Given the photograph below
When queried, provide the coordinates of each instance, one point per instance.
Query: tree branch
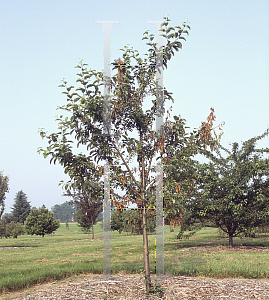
(126, 164)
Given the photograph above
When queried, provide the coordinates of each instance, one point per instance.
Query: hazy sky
(223, 64)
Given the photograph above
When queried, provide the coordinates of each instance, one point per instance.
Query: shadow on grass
(27, 245)
(261, 241)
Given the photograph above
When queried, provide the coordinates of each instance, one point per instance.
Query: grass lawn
(67, 253)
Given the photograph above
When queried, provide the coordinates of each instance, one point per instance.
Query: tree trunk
(92, 232)
(144, 225)
(146, 251)
(231, 241)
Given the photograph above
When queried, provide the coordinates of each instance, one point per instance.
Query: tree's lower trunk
(231, 241)
(92, 232)
(88, 230)
(146, 251)
(144, 224)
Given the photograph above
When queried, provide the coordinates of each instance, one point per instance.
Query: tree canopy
(87, 208)
(21, 207)
(41, 221)
(9, 228)
(131, 221)
(3, 190)
(233, 191)
(63, 212)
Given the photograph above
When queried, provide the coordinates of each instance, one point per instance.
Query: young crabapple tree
(129, 87)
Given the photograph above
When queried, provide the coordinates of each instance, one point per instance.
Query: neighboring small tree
(80, 218)
(87, 209)
(6, 219)
(131, 221)
(9, 228)
(234, 191)
(117, 221)
(189, 225)
(41, 221)
(21, 207)
(3, 191)
(14, 229)
(64, 212)
(2, 229)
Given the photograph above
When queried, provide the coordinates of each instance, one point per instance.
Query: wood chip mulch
(130, 287)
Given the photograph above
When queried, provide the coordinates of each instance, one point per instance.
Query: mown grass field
(67, 253)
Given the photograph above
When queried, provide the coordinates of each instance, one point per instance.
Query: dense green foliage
(41, 221)
(233, 192)
(14, 229)
(11, 224)
(82, 221)
(63, 212)
(3, 190)
(9, 228)
(131, 221)
(21, 207)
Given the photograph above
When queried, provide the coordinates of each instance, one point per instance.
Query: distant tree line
(23, 219)
(11, 225)
(64, 212)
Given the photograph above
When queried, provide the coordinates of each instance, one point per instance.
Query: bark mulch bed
(130, 287)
